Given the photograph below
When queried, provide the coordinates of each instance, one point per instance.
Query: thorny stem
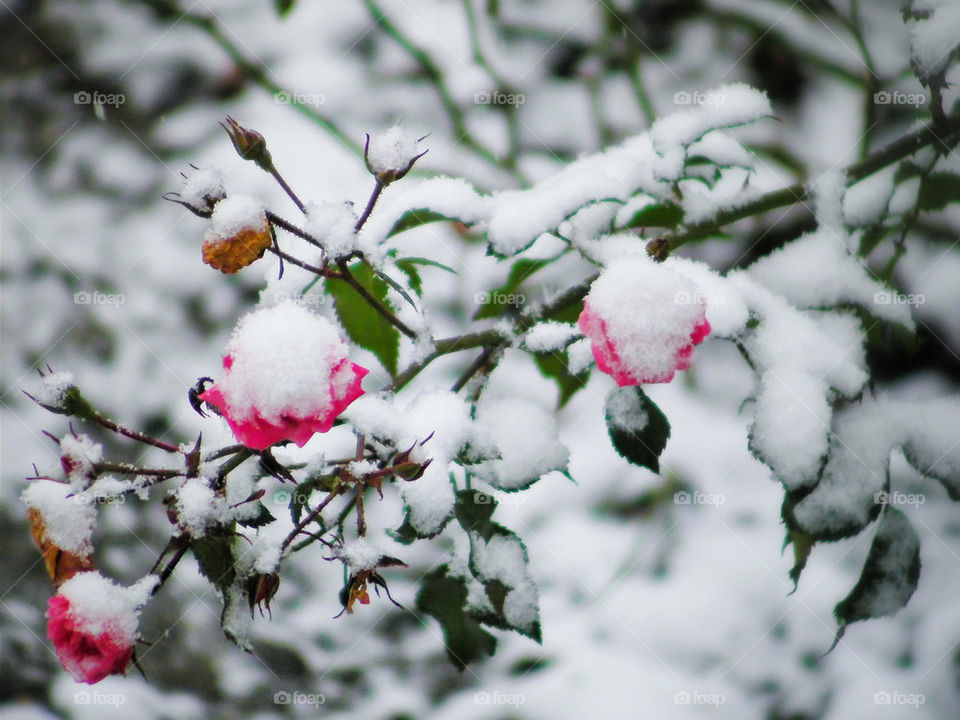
(321, 272)
(128, 469)
(314, 514)
(171, 564)
(106, 422)
(287, 189)
(294, 230)
(384, 311)
(374, 196)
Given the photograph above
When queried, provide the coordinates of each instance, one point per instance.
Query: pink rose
(93, 624)
(286, 377)
(643, 319)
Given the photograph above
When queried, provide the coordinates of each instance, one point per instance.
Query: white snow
(650, 312)
(283, 358)
(237, 213)
(408, 421)
(79, 453)
(53, 387)
(98, 604)
(522, 437)
(549, 336)
(359, 554)
(503, 558)
(332, 224)
(934, 39)
(68, 521)
(799, 357)
(392, 150)
(199, 507)
(203, 188)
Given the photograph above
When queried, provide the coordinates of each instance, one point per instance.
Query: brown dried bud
(249, 144)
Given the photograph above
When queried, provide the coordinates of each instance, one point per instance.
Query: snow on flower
(93, 624)
(67, 520)
(203, 190)
(239, 234)
(287, 376)
(643, 320)
(392, 151)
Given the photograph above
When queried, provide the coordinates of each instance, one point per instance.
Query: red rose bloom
(88, 657)
(93, 624)
(643, 320)
(286, 377)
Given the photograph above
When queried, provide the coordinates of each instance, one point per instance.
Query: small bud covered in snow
(203, 189)
(643, 320)
(391, 154)
(59, 394)
(286, 377)
(239, 235)
(93, 624)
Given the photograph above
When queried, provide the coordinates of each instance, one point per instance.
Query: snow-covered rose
(643, 319)
(93, 624)
(287, 376)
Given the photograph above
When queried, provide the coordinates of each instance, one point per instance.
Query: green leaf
(283, 6)
(444, 598)
(889, 576)
(507, 296)
(474, 511)
(665, 215)
(937, 190)
(413, 276)
(417, 217)
(554, 366)
(399, 288)
(637, 428)
(365, 326)
(264, 517)
(214, 559)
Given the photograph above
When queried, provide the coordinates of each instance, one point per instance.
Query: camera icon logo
(82, 97)
(482, 98)
(482, 498)
(681, 498)
(82, 297)
(682, 98)
(282, 697)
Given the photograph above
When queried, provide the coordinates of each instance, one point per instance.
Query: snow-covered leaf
(638, 428)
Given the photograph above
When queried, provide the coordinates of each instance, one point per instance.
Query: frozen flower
(93, 624)
(240, 234)
(287, 376)
(643, 319)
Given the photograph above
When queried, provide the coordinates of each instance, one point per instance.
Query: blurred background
(649, 608)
